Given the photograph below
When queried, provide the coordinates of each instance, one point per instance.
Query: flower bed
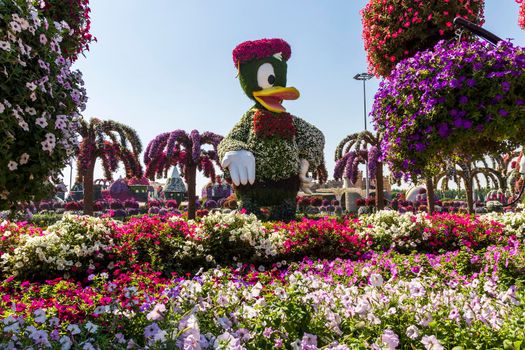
(463, 298)
(424, 281)
(79, 246)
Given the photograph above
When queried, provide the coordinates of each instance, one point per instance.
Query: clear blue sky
(164, 65)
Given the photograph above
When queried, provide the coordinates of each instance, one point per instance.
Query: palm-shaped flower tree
(106, 140)
(185, 150)
(356, 149)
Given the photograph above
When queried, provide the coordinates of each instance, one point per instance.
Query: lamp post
(364, 77)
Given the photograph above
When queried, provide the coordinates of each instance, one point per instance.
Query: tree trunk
(430, 195)
(190, 174)
(469, 193)
(88, 188)
(380, 200)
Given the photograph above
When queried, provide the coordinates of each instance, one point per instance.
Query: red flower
(267, 124)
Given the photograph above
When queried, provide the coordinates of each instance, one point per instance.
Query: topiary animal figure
(268, 153)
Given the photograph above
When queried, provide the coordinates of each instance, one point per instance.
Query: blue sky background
(164, 65)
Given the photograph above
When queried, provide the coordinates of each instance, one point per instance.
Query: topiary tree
(178, 148)
(459, 101)
(357, 149)
(40, 98)
(106, 140)
(397, 29)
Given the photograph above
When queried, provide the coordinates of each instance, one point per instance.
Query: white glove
(306, 182)
(241, 165)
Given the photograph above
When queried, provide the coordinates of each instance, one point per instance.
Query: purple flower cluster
(373, 159)
(459, 98)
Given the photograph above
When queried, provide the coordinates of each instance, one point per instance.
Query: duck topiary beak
(272, 98)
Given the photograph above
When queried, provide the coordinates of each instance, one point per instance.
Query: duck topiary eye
(265, 76)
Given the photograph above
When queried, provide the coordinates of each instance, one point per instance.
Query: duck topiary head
(262, 72)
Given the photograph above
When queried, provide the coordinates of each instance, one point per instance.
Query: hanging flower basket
(521, 18)
(458, 99)
(397, 29)
(40, 98)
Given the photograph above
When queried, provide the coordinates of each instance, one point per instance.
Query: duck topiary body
(269, 152)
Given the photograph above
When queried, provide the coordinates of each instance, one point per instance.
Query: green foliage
(46, 219)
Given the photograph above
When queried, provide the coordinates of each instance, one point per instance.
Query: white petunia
(40, 316)
(12, 165)
(43, 39)
(390, 338)
(5, 45)
(412, 332)
(91, 327)
(40, 337)
(74, 329)
(376, 280)
(431, 343)
(88, 346)
(15, 26)
(41, 122)
(66, 343)
(47, 146)
(2, 107)
(23, 125)
(30, 111)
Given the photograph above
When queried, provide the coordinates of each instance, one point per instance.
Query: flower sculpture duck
(269, 152)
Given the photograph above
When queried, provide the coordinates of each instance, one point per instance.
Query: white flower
(43, 39)
(192, 342)
(50, 137)
(412, 332)
(416, 288)
(24, 158)
(61, 122)
(12, 165)
(15, 26)
(47, 146)
(5, 45)
(40, 337)
(66, 342)
(41, 122)
(376, 280)
(2, 108)
(88, 346)
(309, 341)
(40, 316)
(431, 343)
(91, 328)
(390, 339)
(74, 329)
(30, 110)
(23, 125)
(156, 313)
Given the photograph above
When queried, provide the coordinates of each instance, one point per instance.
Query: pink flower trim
(257, 49)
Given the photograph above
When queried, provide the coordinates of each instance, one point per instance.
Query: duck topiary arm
(237, 138)
(310, 142)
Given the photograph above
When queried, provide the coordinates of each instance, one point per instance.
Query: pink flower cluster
(521, 19)
(257, 49)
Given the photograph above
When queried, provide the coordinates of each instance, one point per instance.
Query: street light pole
(364, 77)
